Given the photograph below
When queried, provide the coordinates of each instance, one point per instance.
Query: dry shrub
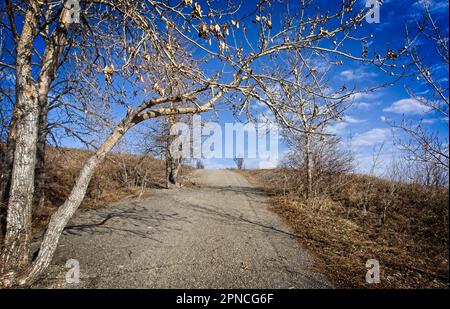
(119, 176)
(403, 226)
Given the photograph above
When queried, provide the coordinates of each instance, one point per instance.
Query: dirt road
(218, 234)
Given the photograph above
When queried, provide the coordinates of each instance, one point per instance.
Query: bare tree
(173, 160)
(313, 107)
(328, 160)
(425, 173)
(132, 42)
(422, 144)
(51, 89)
(239, 162)
(6, 88)
(199, 165)
(157, 141)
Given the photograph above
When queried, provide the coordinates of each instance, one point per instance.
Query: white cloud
(372, 137)
(353, 120)
(340, 126)
(367, 98)
(348, 74)
(408, 107)
(357, 74)
(363, 105)
(435, 120)
(421, 93)
(337, 127)
(366, 163)
(430, 120)
(434, 5)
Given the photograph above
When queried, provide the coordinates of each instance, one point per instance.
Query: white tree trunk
(172, 169)
(173, 161)
(16, 247)
(60, 218)
(18, 221)
(308, 165)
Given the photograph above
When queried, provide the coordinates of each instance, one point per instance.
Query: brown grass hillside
(119, 176)
(404, 226)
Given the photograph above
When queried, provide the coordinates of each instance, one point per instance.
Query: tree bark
(8, 160)
(172, 169)
(51, 60)
(40, 174)
(173, 161)
(60, 218)
(5, 181)
(16, 247)
(18, 220)
(53, 50)
(308, 166)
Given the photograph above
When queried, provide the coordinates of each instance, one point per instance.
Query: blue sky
(365, 126)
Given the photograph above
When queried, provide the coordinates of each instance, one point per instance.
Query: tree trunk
(16, 247)
(172, 169)
(40, 155)
(8, 160)
(18, 221)
(308, 166)
(51, 60)
(173, 161)
(5, 181)
(60, 218)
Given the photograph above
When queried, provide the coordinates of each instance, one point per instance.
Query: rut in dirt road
(218, 234)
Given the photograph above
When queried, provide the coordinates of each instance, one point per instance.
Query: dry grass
(410, 240)
(119, 176)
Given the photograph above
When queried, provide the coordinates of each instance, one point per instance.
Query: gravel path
(217, 234)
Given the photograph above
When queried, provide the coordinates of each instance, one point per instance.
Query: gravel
(219, 233)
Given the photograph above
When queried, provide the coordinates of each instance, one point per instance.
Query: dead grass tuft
(119, 176)
(403, 226)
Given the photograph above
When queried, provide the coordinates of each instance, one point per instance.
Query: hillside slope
(119, 176)
(405, 227)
